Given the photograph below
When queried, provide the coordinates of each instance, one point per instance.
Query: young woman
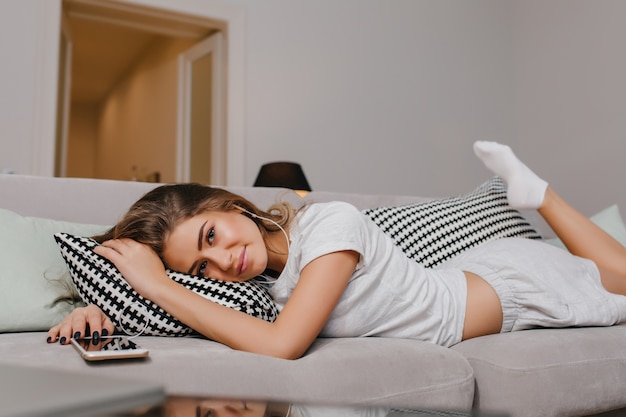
(337, 274)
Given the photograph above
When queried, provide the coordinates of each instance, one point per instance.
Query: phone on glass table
(109, 347)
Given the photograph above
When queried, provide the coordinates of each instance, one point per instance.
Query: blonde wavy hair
(155, 215)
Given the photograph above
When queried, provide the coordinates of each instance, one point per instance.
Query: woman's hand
(138, 264)
(82, 321)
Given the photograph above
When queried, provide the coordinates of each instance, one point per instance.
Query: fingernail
(62, 341)
(49, 339)
(77, 335)
(105, 332)
(95, 338)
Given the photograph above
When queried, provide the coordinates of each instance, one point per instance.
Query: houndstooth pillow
(99, 282)
(434, 231)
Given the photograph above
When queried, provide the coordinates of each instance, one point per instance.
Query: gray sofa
(567, 372)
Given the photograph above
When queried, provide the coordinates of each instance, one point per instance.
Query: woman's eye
(202, 269)
(210, 236)
(200, 413)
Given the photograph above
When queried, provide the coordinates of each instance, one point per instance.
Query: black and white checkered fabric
(434, 231)
(99, 282)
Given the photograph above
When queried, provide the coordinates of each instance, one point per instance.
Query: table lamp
(283, 174)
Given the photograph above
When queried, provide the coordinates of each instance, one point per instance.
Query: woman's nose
(221, 258)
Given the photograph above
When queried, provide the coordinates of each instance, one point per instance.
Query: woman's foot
(525, 189)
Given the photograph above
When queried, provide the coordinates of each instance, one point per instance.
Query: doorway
(129, 112)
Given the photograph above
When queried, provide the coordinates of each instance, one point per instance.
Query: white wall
(570, 92)
(28, 78)
(386, 96)
(377, 96)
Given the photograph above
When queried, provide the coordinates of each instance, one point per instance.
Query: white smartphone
(110, 347)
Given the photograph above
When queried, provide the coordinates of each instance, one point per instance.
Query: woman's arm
(318, 290)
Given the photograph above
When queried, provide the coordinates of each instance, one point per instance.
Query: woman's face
(227, 246)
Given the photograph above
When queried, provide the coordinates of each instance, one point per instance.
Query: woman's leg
(580, 235)
(584, 238)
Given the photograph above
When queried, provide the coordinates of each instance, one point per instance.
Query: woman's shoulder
(339, 206)
(322, 228)
(331, 208)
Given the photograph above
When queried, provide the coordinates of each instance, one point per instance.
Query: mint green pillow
(609, 220)
(33, 273)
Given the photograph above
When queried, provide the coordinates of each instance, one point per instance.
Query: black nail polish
(62, 341)
(77, 335)
(105, 332)
(95, 338)
(49, 339)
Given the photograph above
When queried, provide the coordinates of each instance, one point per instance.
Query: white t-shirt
(388, 294)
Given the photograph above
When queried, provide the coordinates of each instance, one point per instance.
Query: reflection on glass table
(179, 406)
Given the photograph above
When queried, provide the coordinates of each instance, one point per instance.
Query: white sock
(525, 189)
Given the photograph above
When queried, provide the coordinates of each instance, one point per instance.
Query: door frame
(64, 87)
(230, 20)
(211, 45)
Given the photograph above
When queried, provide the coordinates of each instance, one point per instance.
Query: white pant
(540, 285)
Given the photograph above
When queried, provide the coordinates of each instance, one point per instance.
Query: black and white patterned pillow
(99, 282)
(434, 231)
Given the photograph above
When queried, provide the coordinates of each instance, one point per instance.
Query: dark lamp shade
(282, 174)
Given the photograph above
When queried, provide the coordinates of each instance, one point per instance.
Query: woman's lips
(243, 262)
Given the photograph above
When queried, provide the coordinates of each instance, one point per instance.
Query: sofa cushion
(434, 231)
(549, 372)
(365, 370)
(99, 282)
(33, 275)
